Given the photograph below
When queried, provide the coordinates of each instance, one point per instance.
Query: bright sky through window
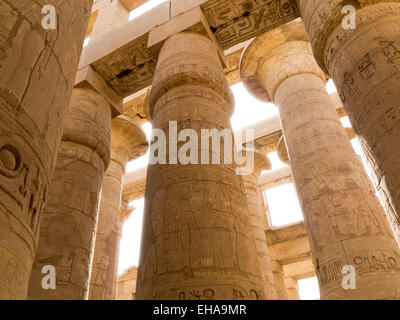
(309, 289)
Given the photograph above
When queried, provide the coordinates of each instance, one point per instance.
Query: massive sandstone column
(67, 231)
(196, 243)
(345, 222)
(128, 142)
(37, 71)
(365, 65)
(256, 219)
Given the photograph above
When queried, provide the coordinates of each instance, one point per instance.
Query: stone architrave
(128, 142)
(37, 72)
(345, 221)
(194, 242)
(364, 63)
(69, 222)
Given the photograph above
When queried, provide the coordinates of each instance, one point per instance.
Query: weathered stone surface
(279, 282)
(365, 66)
(128, 142)
(127, 284)
(234, 21)
(37, 71)
(110, 14)
(67, 231)
(257, 220)
(345, 222)
(191, 207)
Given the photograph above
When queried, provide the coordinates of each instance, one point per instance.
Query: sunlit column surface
(128, 142)
(364, 63)
(37, 71)
(67, 231)
(195, 243)
(345, 221)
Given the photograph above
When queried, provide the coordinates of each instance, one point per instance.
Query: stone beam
(289, 244)
(275, 178)
(134, 184)
(123, 56)
(299, 270)
(235, 21)
(89, 78)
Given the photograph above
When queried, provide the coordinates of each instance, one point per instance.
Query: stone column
(194, 243)
(70, 218)
(279, 281)
(365, 65)
(128, 142)
(256, 219)
(292, 288)
(37, 71)
(110, 15)
(344, 219)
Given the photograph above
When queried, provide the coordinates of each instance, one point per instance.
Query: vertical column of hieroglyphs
(194, 244)
(67, 230)
(364, 63)
(344, 220)
(128, 142)
(37, 70)
(257, 213)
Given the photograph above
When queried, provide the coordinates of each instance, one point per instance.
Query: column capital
(282, 151)
(261, 161)
(181, 69)
(128, 140)
(87, 123)
(87, 77)
(274, 57)
(126, 210)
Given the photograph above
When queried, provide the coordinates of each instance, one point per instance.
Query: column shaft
(104, 277)
(256, 221)
(37, 71)
(365, 65)
(69, 221)
(344, 219)
(128, 142)
(194, 243)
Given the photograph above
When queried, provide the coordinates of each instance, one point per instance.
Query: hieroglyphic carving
(234, 21)
(344, 219)
(128, 142)
(69, 221)
(368, 83)
(196, 243)
(37, 69)
(130, 68)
